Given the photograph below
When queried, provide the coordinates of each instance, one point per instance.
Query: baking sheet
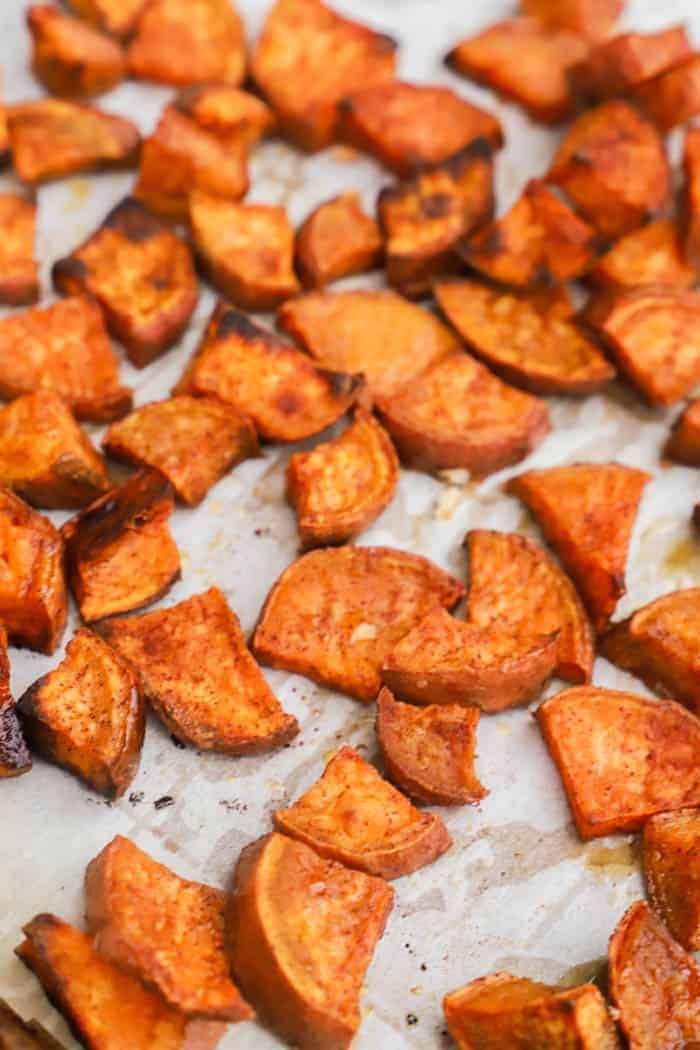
(518, 890)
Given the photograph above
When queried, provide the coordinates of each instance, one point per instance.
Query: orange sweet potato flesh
(652, 255)
(587, 512)
(592, 19)
(524, 339)
(233, 116)
(673, 97)
(141, 275)
(71, 58)
(16, 1034)
(301, 931)
(19, 275)
(308, 58)
(428, 751)
(337, 240)
(671, 861)
(14, 753)
(116, 17)
(163, 930)
(621, 757)
(354, 816)
(200, 679)
(691, 217)
(119, 551)
(341, 486)
(654, 984)
(105, 1008)
(614, 66)
(683, 444)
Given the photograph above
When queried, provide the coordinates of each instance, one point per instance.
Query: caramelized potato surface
(189, 42)
(337, 240)
(116, 17)
(615, 66)
(71, 58)
(234, 117)
(19, 274)
(671, 860)
(673, 97)
(652, 255)
(592, 19)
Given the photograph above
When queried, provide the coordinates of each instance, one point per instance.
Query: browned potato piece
(691, 218)
(407, 126)
(341, 486)
(189, 42)
(233, 116)
(652, 255)
(621, 757)
(587, 512)
(119, 551)
(87, 715)
(429, 751)
(525, 340)
(199, 677)
(71, 58)
(163, 930)
(301, 931)
(247, 250)
(52, 137)
(354, 816)
(19, 275)
(616, 65)
(592, 19)
(334, 615)
(336, 240)
(33, 598)
(671, 859)
(116, 17)
(613, 165)
(105, 1008)
(14, 753)
(16, 1034)
(673, 97)
(683, 444)
(308, 58)
(142, 276)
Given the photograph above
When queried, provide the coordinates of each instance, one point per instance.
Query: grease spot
(613, 861)
(595, 971)
(79, 190)
(683, 557)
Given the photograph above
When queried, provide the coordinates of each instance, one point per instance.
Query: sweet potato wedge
(615, 66)
(691, 218)
(14, 753)
(587, 512)
(70, 57)
(233, 116)
(163, 930)
(301, 931)
(621, 757)
(592, 19)
(613, 165)
(105, 1008)
(142, 276)
(341, 486)
(683, 443)
(524, 339)
(354, 816)
(116, 17)
(119, 551)
(19, 275)
(308, 58)
(16, 1034)
(200, 679)
(673, 97)
(650, 256)
(246, 250)
(336, 240)
(408, 126)
(52, 137)
(671, 861)
(429, 752)
(334, 615)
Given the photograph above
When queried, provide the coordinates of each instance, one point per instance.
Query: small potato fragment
(301, 931)
(429, 752)
(14, 753)
(673, 97)
(247, 250)
(116, 17)
(691, 217)
(334, 615)
(19, 275)
(71, 58)
(617, 65)
(671, 860)
(142, 276)
(587, 512)
(336, 240)
(341, 486)
(592, 19)
(683, 444)
(354, 816)
(233, 116)
(650, 256)
(87, 715)
(200, 679)
(16, 1034)
(163, 930)
(119, 551)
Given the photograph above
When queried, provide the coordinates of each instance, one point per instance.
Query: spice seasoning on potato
(671, 861)
(337, 240)
(15, 758)
(650, 256)
(19, 274)
(71, 58)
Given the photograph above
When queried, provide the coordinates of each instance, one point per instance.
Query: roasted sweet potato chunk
(683, 444)
(14, 754)
(233, 116)
(691, 168)
(592, 19)
(407, 126)
(116, 17)
(621, 757)
(336, 240)
(142, 276)
(526, 340)
(106, 1008)
(19, 275)
(199, 677)
(119, 551)
(671, 859)
(52, 137)
(162, 929)
(673, 97)
(308, 58)
(613, 166)
(334, 615)
(354, 816)
(301, 931)
(617, 65)
(71, 58)
(247, 250)
(341, 486)
(4, 134)
(587, 512)
(16, 1034)
(652, 255)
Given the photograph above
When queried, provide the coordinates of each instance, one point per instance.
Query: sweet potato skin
(336, 240)
(670, 860)
(673, 97)
(691, 201)
(592, 19)
(19, 275)
(14, 753)
(652, 255)
(628, 59)
(116, 17)
(71, 58)
(16, 1034)
(683, 444)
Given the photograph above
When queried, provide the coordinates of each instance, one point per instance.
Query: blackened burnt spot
(491, 243)
(341, 384)
(14, 753)
(289, 402)
(160, 281)
(234, 322)
(133, 221)
(69, 269)
(104, 521)
(480, 147)
(437, 206)
(542, 277)
(579, 157)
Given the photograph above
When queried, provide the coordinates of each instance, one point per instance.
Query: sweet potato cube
(671, 859)
(52, 137)
(116, 17)
(691, 218)
(621, 757)
(341, 486)
(199, 677)
(19, 275)
(652, 255)
(301, 931)
(142, 276)
(587, 512)
(336, 240)
(354, 816)
(334, 615)
(592, 19)
(308, 58)
(16, 1034)
(71, 58)
(613, 165)
(247, 250)
(673, 97)
(525, 339)
(14, 753)
(615, 66)
(683, 444)
(119, 551)
(102, 1004)
(233, 116)
(162, 929)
